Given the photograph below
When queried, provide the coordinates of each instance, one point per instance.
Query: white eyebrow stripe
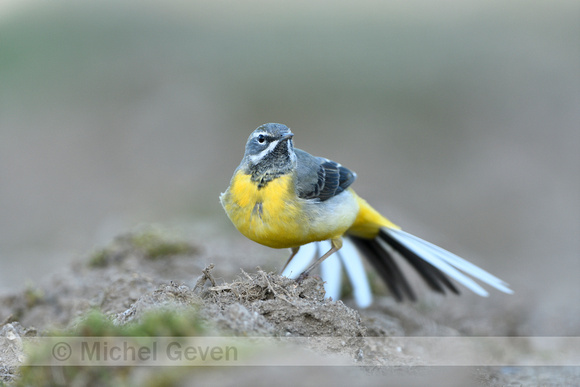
(255, 158)
(256, 134)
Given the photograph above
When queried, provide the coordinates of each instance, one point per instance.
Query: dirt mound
(151, 273)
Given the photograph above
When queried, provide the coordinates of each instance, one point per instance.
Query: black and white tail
(433, 263)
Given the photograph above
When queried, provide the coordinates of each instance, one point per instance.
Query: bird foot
(302, 277)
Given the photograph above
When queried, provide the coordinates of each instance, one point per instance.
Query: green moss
(149, 243)
(95, 324)
(71, 376)
(153, 324)
(164, 323)
(33, 296)
(99, 258)
(167, 324)
(7, 378)
(154, 245)
(170, 376)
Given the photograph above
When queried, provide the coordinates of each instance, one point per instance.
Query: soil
(147, 270)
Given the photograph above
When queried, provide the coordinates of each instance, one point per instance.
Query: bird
(283, 197)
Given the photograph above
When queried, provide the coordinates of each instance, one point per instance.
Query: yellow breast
(270, 215)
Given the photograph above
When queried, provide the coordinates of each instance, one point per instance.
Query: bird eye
(261, 138)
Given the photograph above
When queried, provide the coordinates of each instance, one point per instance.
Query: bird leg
(336, 244)
(294, 252)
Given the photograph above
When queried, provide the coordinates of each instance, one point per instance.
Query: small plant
(161, 323)
(149, 243)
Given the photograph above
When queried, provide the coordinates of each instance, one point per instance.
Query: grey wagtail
(283, 197)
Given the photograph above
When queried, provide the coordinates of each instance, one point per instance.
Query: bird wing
(320, 178)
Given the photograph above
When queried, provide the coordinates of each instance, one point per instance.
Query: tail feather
(433, 263)
(386, 266)
(435, 278)
(458, 262)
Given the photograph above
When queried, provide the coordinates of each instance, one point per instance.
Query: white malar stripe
(449, 262)
(256, 158)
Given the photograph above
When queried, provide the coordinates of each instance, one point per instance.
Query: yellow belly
(274, 216)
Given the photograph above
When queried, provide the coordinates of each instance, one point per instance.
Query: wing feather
(320, 178)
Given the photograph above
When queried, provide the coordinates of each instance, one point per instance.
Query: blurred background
(461, 119)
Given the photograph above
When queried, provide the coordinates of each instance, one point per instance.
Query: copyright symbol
(61, 351)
